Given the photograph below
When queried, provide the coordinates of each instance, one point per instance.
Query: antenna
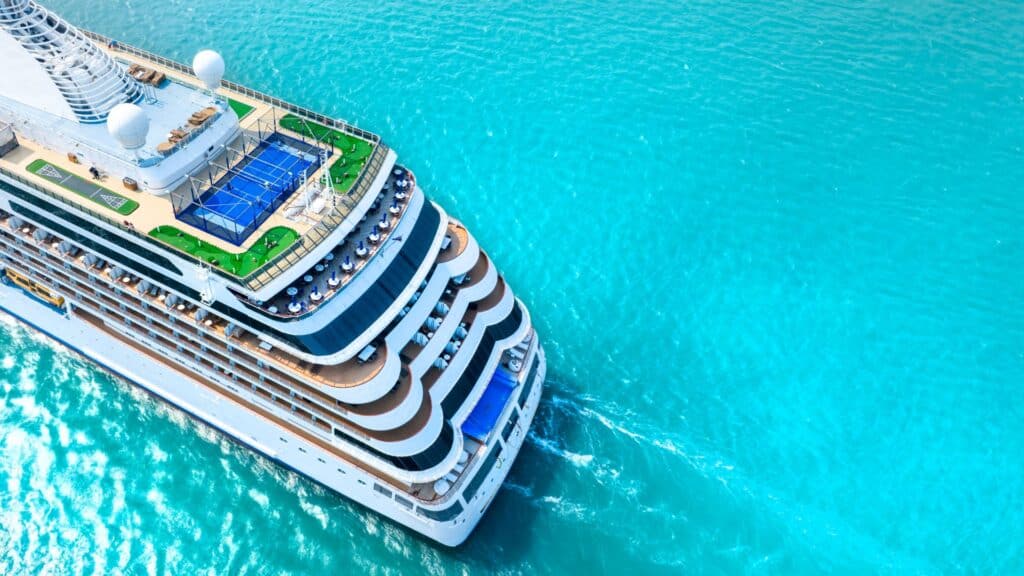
(326, 178)
(206, 294)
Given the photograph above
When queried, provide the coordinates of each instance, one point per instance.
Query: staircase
(88, 79)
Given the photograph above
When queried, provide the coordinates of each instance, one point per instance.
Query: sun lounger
(157, 79)
(202, 116)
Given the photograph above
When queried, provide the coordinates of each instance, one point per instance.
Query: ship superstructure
(274, 272)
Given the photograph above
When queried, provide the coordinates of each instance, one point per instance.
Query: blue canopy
(485, 414)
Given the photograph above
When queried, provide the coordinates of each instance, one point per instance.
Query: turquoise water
(775, 251)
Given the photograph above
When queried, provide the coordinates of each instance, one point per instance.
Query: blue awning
(485, 414)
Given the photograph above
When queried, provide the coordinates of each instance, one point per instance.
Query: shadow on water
(146, 423)
(499, 538)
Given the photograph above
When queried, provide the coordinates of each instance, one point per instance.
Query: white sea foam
(519, 489)
(259, 497)
(157, 499)
(155, 452)
(117, 502)
(567, 509)
(552, 447)
(149, 557)
(614, 426)
(124, 548)
(63, 434)
(315, 511)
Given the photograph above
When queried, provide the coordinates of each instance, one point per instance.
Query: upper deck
(290, 229)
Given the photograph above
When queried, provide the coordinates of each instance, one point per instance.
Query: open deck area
(294, 220)
(327, 277)
(273, 242)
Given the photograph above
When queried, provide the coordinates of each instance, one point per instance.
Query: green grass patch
(240, 264)
(241, 108)
(355, 152)
(85, 188)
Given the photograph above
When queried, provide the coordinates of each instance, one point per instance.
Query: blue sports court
(249, 193)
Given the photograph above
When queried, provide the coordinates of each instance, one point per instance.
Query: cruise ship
(271, 271)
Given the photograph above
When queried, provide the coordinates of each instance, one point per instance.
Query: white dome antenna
(129, 125)
(208, 66)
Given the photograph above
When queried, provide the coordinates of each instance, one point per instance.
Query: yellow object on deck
(35, 288)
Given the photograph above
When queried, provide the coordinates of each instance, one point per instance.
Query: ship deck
(108, 196)
(152, 211)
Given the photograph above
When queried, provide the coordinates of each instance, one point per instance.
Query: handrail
(317, 234)
(107, 219)
(284, 314)
(254, 94)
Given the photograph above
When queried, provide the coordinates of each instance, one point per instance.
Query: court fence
(241, 188)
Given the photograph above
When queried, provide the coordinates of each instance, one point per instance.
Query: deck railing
(302, 247)
(261, 276)
(249, 92)
(317, 234)
(88, 211)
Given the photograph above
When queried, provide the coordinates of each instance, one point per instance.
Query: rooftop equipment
(209, 67)
(129, 125)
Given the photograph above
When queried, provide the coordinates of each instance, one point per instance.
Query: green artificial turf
(84, 188)
(355, 152)
(241, 264)
(241, 108)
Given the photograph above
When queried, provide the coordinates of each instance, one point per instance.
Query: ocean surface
(775, 251)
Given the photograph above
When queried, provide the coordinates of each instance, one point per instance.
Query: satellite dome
(129, 125)
(208, 66)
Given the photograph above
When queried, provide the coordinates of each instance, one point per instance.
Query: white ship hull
(340, 324)
(277, 443)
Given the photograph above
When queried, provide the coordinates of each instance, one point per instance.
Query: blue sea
(775, 251)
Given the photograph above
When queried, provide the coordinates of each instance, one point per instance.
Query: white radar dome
(208, 66)
(129, 125)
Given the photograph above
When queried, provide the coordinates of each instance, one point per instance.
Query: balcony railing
(317, 234)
